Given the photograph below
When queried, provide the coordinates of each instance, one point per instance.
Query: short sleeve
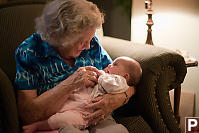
(26, 78)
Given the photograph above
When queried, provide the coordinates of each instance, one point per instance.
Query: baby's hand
(101, 72)
(94, 69)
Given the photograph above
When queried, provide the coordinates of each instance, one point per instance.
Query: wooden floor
(186, 106)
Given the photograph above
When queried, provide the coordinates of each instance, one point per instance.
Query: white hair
(65, 19)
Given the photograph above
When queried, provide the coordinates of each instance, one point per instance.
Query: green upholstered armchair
(148, 111)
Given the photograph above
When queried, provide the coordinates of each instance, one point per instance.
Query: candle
(148, 4)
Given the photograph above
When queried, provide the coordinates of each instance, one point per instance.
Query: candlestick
(149, 12)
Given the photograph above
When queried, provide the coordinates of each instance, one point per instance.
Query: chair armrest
(8, 102)
(163, 70)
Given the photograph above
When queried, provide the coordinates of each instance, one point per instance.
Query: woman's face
(82, 43)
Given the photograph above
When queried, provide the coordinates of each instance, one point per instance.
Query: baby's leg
(72, 117)
(108, 125)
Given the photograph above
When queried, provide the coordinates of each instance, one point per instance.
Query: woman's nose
(109, 65)
(87, 45)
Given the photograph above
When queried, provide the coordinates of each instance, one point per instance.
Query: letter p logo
(192, 125)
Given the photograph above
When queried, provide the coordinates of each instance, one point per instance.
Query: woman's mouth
(79, 51)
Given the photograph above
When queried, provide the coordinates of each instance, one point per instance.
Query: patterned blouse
(40, 67)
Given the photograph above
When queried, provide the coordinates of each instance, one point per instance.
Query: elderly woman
(57, 59)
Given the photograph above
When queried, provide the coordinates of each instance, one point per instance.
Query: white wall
(176, 26)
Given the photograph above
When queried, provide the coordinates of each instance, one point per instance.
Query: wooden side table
(177, 91)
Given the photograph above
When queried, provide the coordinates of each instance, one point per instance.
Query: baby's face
(117, 67)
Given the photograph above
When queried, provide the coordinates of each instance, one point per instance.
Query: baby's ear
(126, 76)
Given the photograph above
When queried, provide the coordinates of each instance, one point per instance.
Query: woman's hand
(84, 76)
(104, 105)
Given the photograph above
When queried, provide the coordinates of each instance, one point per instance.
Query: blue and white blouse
(39, 66)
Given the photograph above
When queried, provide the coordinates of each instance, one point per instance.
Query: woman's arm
(107, 103)
(33, 108)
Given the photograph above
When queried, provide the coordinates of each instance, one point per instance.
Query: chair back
(16, 24)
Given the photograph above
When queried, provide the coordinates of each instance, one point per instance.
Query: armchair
(146, 112)
(163, 70)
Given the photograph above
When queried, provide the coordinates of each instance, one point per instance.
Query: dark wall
(117, 21)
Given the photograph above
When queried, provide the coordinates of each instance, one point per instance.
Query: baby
(116, 78)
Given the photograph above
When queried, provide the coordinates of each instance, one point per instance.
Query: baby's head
(126, 67)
